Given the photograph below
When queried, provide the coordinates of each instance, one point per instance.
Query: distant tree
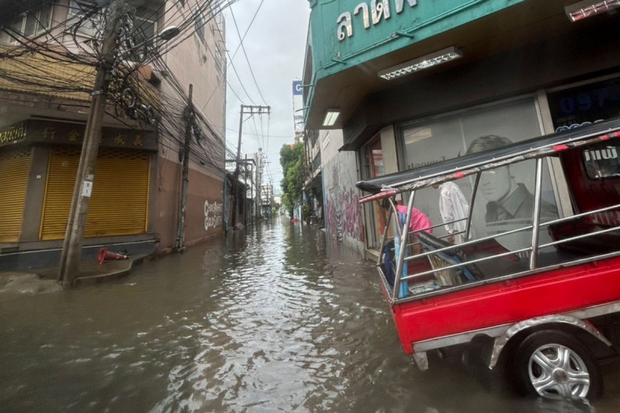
(292, 161)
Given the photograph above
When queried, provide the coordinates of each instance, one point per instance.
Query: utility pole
(189, 120)
(245, 192)
(74, 234)
(245, 110)
(252, 186)
(259, 181)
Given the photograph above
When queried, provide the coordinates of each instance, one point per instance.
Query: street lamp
(169, 32)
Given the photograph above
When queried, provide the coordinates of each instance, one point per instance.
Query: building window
(578, 106)
(86, 15)
(435, 140)
(144, 27)
(219, 61)
(28, 25)
(140, 27)
(199, 23)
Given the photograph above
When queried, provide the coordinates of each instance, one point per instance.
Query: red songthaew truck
(537, 292)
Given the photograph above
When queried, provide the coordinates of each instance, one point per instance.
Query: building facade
(414, 82)
(47, 73)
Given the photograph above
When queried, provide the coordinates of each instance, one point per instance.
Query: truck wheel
(553, 363)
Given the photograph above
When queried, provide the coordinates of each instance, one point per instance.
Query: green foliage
(305, 212)
(292, 162)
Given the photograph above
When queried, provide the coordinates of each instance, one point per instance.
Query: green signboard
(347, 33)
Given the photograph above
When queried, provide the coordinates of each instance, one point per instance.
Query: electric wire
(241, 45)
(169, 119)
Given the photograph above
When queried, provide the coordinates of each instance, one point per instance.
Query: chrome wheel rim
(556, 370)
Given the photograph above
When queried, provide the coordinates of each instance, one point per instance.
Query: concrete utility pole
(259, 169)
(189, 119)
(72, 245)
(245, 110)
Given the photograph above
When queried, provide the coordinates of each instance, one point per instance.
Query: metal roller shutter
(120, 194)
(119, 202)
(14, 168)
(61, 173)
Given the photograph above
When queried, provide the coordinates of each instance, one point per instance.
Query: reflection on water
(277, 320)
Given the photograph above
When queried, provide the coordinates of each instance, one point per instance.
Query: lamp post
(72, 245)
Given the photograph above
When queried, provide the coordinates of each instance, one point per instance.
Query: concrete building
(414, 82)
(47, 72)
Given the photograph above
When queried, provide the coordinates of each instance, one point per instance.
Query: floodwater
(278, 320)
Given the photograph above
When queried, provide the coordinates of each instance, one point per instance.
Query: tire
(554, 364)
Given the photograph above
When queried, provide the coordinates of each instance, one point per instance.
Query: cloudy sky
(274, 37)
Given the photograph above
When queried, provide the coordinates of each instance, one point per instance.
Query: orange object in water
(105, 255)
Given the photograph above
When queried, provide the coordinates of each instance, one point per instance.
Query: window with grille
(28, 25)
(86, 16)
(140, 26)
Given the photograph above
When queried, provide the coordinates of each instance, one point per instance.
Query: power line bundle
(59, 60)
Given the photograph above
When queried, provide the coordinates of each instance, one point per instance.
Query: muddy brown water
(275, 320)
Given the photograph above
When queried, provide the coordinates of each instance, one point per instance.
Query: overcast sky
(275, 47)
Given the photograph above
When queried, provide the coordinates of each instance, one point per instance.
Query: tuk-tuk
(535, 287)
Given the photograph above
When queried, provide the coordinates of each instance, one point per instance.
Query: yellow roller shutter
(63, 166)
(120, 194)
(119, 202)
(14, 168)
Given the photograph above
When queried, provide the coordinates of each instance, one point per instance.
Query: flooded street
(278, 320)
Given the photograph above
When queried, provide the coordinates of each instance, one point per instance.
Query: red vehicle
(537, 292)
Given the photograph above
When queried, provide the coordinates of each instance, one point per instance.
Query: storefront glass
(578, 106)
(430, 141)
(373, 160)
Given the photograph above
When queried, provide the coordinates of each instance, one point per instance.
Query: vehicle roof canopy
(460, 167)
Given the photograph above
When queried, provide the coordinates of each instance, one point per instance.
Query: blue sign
(297, 89)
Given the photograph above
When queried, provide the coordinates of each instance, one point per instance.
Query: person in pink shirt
(419, 222)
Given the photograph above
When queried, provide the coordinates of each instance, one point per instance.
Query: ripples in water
(278, 320)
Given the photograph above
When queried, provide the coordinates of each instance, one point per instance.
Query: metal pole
(225, 206)
(69, 267)
(252, 189)
(236, 175)
(259, 181)
(245, 191)
(189, 118)
(251, 110)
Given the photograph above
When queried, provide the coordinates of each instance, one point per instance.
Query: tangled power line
(74, 45)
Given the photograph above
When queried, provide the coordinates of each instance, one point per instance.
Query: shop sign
(14, 134)
(585, 104)
(68, 133)
(378, 10)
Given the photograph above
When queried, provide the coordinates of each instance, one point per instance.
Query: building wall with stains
(342, 212)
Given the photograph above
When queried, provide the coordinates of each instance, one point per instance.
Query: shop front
(38, 168)
(434, 139)
(510, 70)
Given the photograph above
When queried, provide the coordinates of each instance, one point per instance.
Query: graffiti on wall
(213, 214)
(342, 211)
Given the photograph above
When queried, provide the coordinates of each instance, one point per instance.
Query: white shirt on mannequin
(453, 207)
